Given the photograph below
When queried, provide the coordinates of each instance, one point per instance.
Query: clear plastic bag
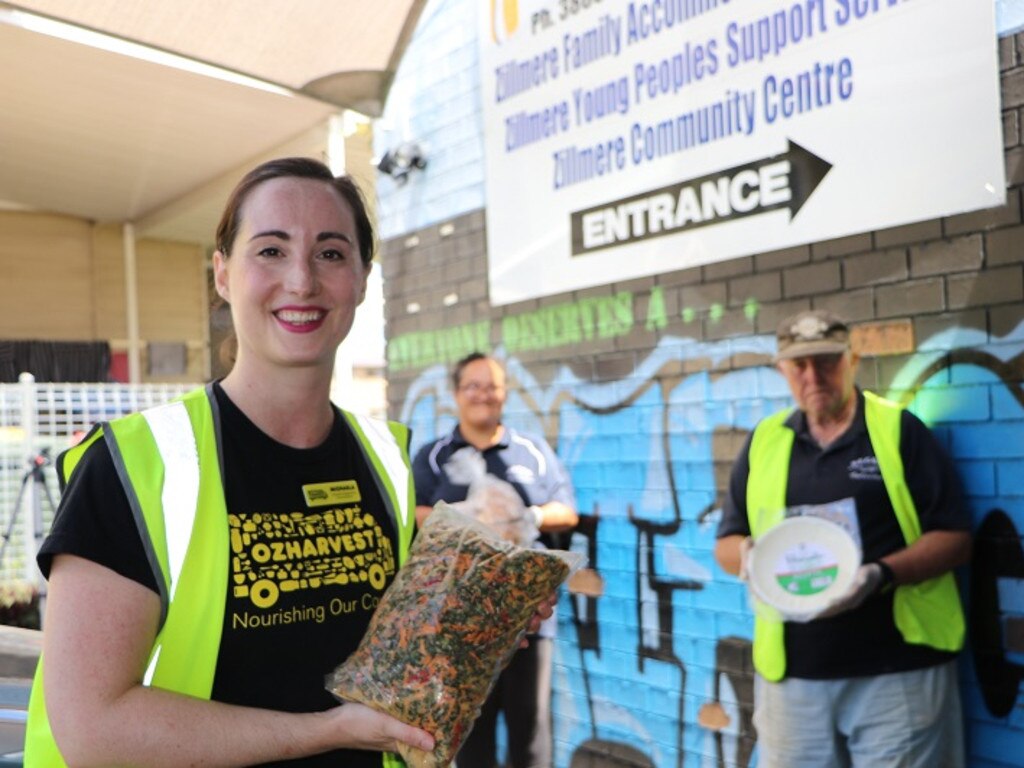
(495, 503)
(491, 500)
(446, 627)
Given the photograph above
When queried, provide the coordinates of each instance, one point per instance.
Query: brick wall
(647, 388)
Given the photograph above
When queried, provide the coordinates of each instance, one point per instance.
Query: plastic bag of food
(446, 627)
(495, 503)
(490, 499)
(465, 465)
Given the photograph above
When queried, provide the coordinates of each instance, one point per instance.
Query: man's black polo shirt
(864, 641)
(525, 461)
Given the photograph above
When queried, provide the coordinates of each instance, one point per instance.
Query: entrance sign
(624, 139)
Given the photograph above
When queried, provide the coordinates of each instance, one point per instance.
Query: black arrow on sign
(807, 172)
(630, 219)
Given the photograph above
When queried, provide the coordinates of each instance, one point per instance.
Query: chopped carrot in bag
(446, 627)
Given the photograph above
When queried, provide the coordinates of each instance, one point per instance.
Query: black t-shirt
(312, 550)
(864, 641)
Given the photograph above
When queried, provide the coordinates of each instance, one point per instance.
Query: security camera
(399, 162)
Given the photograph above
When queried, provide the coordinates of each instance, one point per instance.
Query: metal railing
(37, 422)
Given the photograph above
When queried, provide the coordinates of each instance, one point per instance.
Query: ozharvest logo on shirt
(864, 468)
(326, 494)
(297, 552)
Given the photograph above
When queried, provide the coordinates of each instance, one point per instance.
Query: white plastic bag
(491, 500)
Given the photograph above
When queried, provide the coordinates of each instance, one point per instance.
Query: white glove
(746, 548)
(866, 582)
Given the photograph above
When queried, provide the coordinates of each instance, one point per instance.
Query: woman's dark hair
(298, 168)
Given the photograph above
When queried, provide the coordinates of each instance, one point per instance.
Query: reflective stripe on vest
(385, 446)
(169, 462)
(176, 443)
(153, 451)
(928, 613)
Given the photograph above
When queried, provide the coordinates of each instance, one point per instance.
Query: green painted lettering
(510, 335)
(624, 312)
(657, 316)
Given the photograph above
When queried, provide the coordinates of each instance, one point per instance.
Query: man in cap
(871, 679)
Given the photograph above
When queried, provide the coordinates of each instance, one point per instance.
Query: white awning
(147, 110)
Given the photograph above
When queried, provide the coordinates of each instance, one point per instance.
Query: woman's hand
(364, 728)
(544, 611)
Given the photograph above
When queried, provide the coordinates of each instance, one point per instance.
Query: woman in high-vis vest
(215, 558)
(871, 681)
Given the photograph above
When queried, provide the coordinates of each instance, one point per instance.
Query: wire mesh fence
(37, 422)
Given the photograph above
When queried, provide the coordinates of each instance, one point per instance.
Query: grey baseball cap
(812, 332)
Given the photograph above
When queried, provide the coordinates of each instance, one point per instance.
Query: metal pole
(131, 302)
(30, 501)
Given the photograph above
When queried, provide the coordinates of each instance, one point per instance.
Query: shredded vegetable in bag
(446, 627)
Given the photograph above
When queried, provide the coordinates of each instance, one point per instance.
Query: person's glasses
(479, 388)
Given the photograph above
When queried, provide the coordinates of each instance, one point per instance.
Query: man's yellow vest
(928, 613)
(169, 462)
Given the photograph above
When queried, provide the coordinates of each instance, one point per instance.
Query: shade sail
(110, 136)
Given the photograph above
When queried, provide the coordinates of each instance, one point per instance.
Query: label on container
(806, 569)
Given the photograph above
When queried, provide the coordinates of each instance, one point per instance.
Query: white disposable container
(800, 565)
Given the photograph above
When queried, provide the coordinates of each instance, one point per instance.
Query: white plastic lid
(800, 565)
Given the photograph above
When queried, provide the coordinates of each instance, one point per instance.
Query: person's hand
(544, 611)
(359, 727)
(866, 582)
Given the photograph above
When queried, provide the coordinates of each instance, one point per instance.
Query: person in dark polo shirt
(543, 493)
(871, 680)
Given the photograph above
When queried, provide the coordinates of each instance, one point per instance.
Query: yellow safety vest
(169, 462)
(928, 613)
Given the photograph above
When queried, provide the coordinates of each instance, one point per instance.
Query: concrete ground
(19, 651)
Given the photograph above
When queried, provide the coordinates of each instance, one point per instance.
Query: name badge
(334, 493)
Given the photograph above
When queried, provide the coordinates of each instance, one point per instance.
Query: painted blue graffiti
(669, 633)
